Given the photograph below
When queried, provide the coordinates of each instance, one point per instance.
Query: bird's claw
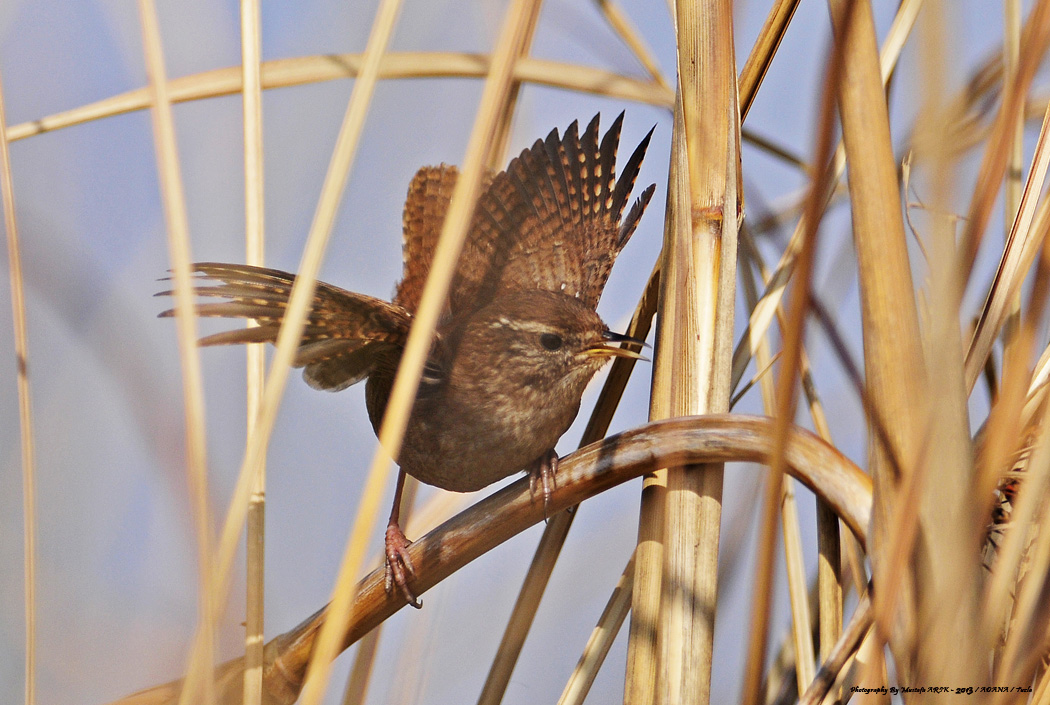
(398, 564)
(544, 473)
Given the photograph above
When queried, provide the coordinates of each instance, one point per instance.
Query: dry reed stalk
(1036, 39)
(295, 317)
(495, 102)
(801, 621)
(601, 640)
(700, 264)
(762, 53)
(785, 407)
(522, 615)
(25, 407)
(360, 677)
(829, 545)
(1022, 245)
(319, 667)
(839, 655)
(254, 229)
(643, 641)
(762, 315)
(621, 24)
(511, 510)
(281, 73)
(642, 645)
(945, 569)
(893, 356)
(1014, 571)
(1012, 192)
(174, 201)
(557, 529)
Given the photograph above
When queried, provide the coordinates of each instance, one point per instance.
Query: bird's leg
(398, 565)
(542, 473)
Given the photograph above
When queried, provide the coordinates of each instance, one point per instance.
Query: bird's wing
(425, 207)
(552, 219)
(346, 334)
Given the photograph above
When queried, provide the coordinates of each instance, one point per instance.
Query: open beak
(606, 349)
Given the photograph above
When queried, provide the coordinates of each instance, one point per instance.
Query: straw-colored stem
(946, 571)
(1022, 245)
(1036, 39)
(762, 53)
(839, 655)
(601, 640)
(299, 71)
(786, 404)
(762, 315)
(557, 529)
(892, 352)
(361, 671)
(513, 509)
(621, 24)
(829, 578)
(801, 621)
(699, 336)
(643, 644)
(1012, 192)
(255, 531)
(25, 407)
(359, 679)
(193, 398)
(301, 294)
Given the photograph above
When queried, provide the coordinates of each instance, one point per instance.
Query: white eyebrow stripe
(522, 326)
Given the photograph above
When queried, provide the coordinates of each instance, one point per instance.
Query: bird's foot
(398, 565)
(542, 473)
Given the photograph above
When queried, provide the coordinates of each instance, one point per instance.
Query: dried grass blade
(700, 335)
(801, 621)
(762, 314)
(763, 51)
(845, 648)
(893, 355)
(1036, 39)
(511, 510)
(1022, 245)
(282, 73)
(254, 209)
(947, 574)
(621, 24)
(25, 408)
(193, 398)
(601, 640)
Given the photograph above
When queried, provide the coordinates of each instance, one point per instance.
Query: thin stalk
(700, 259)
(601, 640)
(511, 510)
(254, 210)
(25, 409)
(281, 73)
(186, 326)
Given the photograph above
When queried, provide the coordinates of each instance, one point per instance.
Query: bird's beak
(606, 349)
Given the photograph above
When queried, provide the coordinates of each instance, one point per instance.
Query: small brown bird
(519, 340)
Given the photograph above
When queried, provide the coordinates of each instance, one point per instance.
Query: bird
(519, 337)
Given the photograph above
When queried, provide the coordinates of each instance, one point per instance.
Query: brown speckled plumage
(519, 339)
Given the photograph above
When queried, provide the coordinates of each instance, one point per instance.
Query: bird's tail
(346, 334)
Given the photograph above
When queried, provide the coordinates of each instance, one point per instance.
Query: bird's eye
(550, 341)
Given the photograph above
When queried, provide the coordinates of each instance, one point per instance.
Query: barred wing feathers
(346, 334)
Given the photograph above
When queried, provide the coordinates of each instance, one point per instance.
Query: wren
(519, 339)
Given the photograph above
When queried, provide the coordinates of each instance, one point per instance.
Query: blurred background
(116, 584)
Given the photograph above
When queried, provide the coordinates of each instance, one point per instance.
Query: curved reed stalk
(493, 520)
